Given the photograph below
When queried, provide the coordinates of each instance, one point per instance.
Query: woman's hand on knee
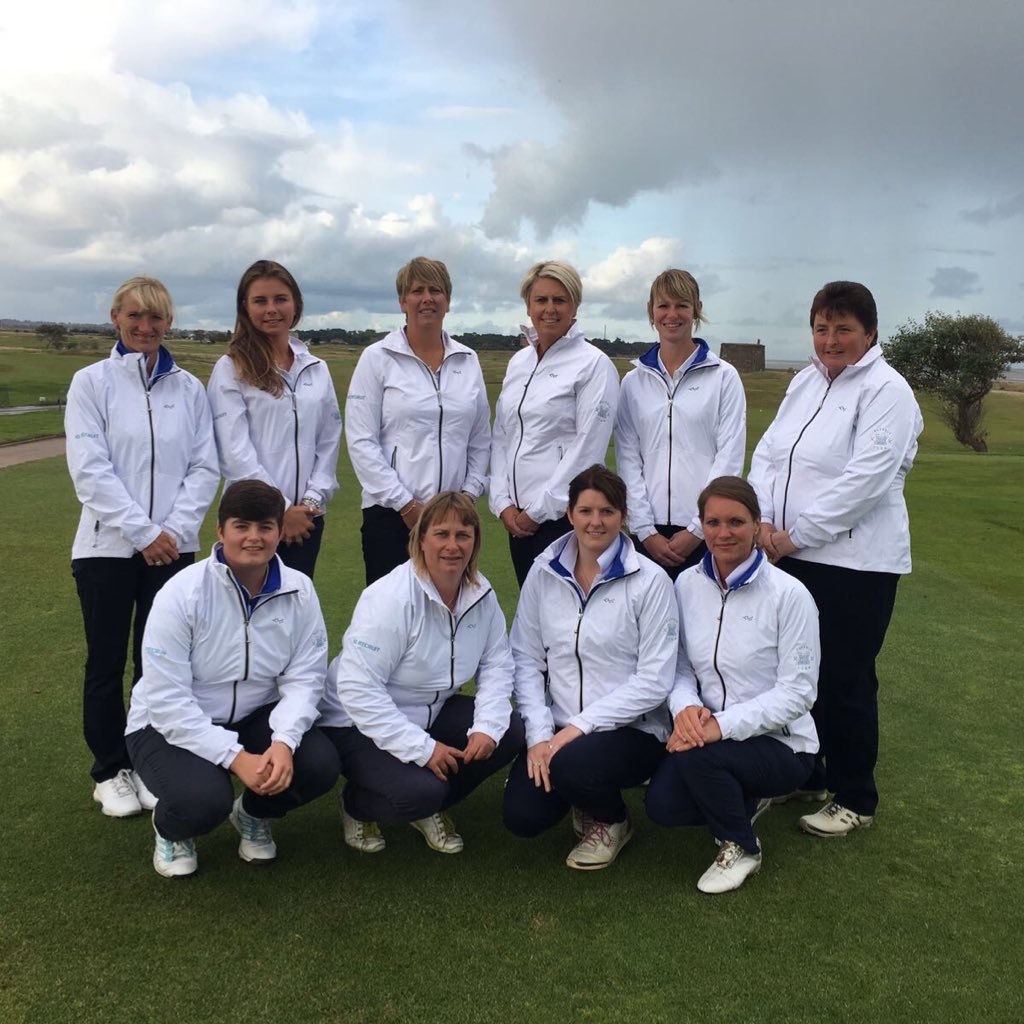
(250, 769)
(537, 758)
(277, 762)
(479, 747)
(444, 761)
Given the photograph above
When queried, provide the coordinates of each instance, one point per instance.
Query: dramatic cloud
(954, 282)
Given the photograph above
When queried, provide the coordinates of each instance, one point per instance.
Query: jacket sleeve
(167, 682)
(531, 662)
(479, 443)
(238, 458)
(363, 428)
(301, 684)
(597, 398)
(92, 471)
(796, 687)
(650, 684)
(499, 497)
(685, 690)
(323, 478)
(202, 476)
(629, 460)
(495, 677)
(374, 644)
(887, 428)
(730, 434)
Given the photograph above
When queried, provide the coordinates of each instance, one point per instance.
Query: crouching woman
(234, 657)
(746, 677)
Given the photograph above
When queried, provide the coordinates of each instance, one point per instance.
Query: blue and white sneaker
(257, 843)
(174, 859)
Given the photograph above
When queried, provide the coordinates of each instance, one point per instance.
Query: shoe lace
(597, 834)
(728, 854)
(444, 825)
(367, 829)
(255, 830)
(833, 810)
(123, 785)
(172, 849)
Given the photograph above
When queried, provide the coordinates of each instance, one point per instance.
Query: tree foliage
(56, 335)
(957, 359)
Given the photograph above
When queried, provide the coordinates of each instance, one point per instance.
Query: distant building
(746, 358)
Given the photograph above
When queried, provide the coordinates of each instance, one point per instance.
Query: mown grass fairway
(917, 920)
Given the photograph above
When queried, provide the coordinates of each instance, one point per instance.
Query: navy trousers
(385, 539)
(854, 610)
(589, 774)
(719, 784)
(381, 788)
(110, 591)
(303, 556)
(196, 795)
(525, 549)
(668, 532)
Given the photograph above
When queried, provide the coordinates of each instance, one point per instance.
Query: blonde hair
(439, 508)
(152, 295)
(430, 272)
(680, 285)
(565, 275)
(249, 347)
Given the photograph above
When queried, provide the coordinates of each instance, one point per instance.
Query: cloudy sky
(767, 147)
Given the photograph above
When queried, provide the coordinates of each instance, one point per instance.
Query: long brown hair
(249, 347)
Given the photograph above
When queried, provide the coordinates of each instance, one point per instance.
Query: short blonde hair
(152, 295)
(430, 272)
(680, 285)
(440, 507)
(565, 275)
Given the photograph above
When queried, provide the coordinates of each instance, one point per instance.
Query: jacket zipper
(789, 464)
(246, 620)
(453, 626)
(152, 438)
(718, 636)
(522, 432)
(435, 381)
(295, 415)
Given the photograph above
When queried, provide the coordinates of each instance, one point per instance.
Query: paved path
(29, 451)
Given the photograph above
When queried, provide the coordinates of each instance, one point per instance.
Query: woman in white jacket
(417, 418)
(141, 456)
(275, 412)
(829, 475)
(554, 416)
(682, 422)
(234, 662)
(594, 642)
(411, 745)
(745, 681)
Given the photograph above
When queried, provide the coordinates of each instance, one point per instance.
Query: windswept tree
(957, 359)
(56, 335)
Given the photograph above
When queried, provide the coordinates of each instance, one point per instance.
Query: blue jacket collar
(651, 361)
(164, 359)
(271, 584)
(740, 576)
(612, 560)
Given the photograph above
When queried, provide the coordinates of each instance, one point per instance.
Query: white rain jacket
(672, 437)
(404, 654)
(211, 656)
(141, 454)
(411, 433)
(290, 442)
(831, 466)
(598, 662)
(749, 653)
(553, 419)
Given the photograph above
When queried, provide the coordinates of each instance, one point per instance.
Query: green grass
(916, 920)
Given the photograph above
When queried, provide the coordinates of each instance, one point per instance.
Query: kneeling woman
(411, 745)
(746, 679)
(594, 640)
(233, 667)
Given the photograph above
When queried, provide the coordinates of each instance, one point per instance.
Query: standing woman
(418, 418)
(554, 415)
(829, 476)
(141, 455)
(682, 422)
(275, 413)
(594, 641)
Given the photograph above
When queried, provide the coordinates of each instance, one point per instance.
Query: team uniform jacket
(211, 656)
(672, 437)
(411, 433)
(404, 654)
(141, 454)
(290, 442)
(598, 662)
(749, 653)
(553, 419)
(831, 466)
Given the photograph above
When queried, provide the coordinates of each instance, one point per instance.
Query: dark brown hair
(599, 478)
(734, 488)
(251, 500)
(847, 298)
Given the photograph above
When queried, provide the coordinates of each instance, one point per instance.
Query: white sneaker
(257, 843)
(439, 832)
(581, 821)
(117, 795)
(600, 844)
(834, 820)
(730, 869)
(146, 798)
(174, 859)
(802, 796)
(363, 836)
